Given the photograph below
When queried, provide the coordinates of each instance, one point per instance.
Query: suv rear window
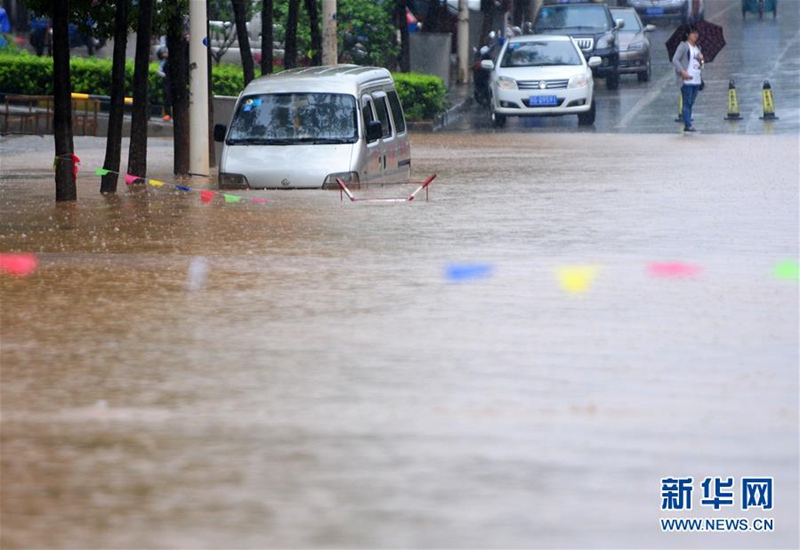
(575, 18)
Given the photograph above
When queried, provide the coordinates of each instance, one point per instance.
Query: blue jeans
(689, 94)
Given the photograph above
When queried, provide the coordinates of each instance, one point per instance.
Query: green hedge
(423, 96)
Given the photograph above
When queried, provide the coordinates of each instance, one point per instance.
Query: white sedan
(540, 75)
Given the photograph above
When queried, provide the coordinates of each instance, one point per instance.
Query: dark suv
(592, 27)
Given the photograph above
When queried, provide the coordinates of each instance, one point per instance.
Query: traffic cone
(768, 102)
(733, 103)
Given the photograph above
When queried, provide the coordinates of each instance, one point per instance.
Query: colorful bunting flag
(206, 196)
(19, 265)
(576, 279)
(787, 270)
(464, 272)
(677, 270)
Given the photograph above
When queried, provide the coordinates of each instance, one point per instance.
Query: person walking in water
(688, 63)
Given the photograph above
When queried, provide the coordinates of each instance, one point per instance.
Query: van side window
(397, 112)
(383, 115)
(366, 111)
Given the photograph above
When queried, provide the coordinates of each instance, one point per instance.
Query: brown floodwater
(516, 363)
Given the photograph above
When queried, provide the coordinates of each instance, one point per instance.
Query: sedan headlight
(578, 81)
(606, 41)
(505, 83)
(636, 46)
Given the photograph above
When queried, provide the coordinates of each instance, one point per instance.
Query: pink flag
(673, 269)
(132, 179)
(18, 264)
(206, 196)
(258, 200)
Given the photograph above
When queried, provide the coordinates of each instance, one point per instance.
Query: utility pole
(462, 47)
(198, 88)
(330, 47)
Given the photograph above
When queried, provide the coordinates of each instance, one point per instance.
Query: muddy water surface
(326, 382)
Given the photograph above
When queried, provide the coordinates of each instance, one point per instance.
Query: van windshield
(294, 118)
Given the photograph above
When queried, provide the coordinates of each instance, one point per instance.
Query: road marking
(755, 114)
(645, 101)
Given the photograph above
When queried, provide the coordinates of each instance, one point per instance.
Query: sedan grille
(586, 44)
(536, 84)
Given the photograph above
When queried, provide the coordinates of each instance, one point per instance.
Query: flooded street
(516, 363)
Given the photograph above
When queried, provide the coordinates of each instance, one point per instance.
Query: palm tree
(66, 190)
(240, 17)
(137, 153)
(178, 76)
(267, 18)
(316, 35)
(108, 183)
(290, 49)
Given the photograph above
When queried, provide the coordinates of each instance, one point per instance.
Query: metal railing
(33, 114)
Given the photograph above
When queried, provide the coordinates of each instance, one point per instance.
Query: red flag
(20, 265)
(206, 196)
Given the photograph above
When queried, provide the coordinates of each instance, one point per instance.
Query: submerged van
(303, 128)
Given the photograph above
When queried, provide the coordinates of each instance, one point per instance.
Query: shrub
(422, 96)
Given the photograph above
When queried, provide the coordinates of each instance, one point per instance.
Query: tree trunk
(290, 50)
(137, 153)
(240, 17)
(267, 59)
(179, 82)
(66, 189)
(316, 35)
(108, 183)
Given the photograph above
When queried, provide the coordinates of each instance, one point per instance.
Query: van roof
(333, 78)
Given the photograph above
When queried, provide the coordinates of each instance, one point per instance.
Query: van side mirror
(487, 64)
(219, 132)
(374, 131)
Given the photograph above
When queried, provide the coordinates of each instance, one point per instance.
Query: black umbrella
(711, 39)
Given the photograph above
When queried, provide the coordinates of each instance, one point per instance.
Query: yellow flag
(576, 279)
(155, 183)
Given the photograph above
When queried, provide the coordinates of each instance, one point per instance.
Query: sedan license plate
(654, 11)
(543, 101)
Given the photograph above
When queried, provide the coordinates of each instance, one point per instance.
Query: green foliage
(422, 96)
(26, 74)
(370, 24)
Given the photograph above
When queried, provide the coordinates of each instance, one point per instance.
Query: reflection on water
(331, 384)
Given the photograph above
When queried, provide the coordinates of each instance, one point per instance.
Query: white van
(303, 128)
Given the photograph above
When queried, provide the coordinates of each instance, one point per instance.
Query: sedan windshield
(539, 54)
(294, 118)
(572, 17)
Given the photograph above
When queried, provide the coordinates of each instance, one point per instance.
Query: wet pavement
(756, 51)
(517, 363)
